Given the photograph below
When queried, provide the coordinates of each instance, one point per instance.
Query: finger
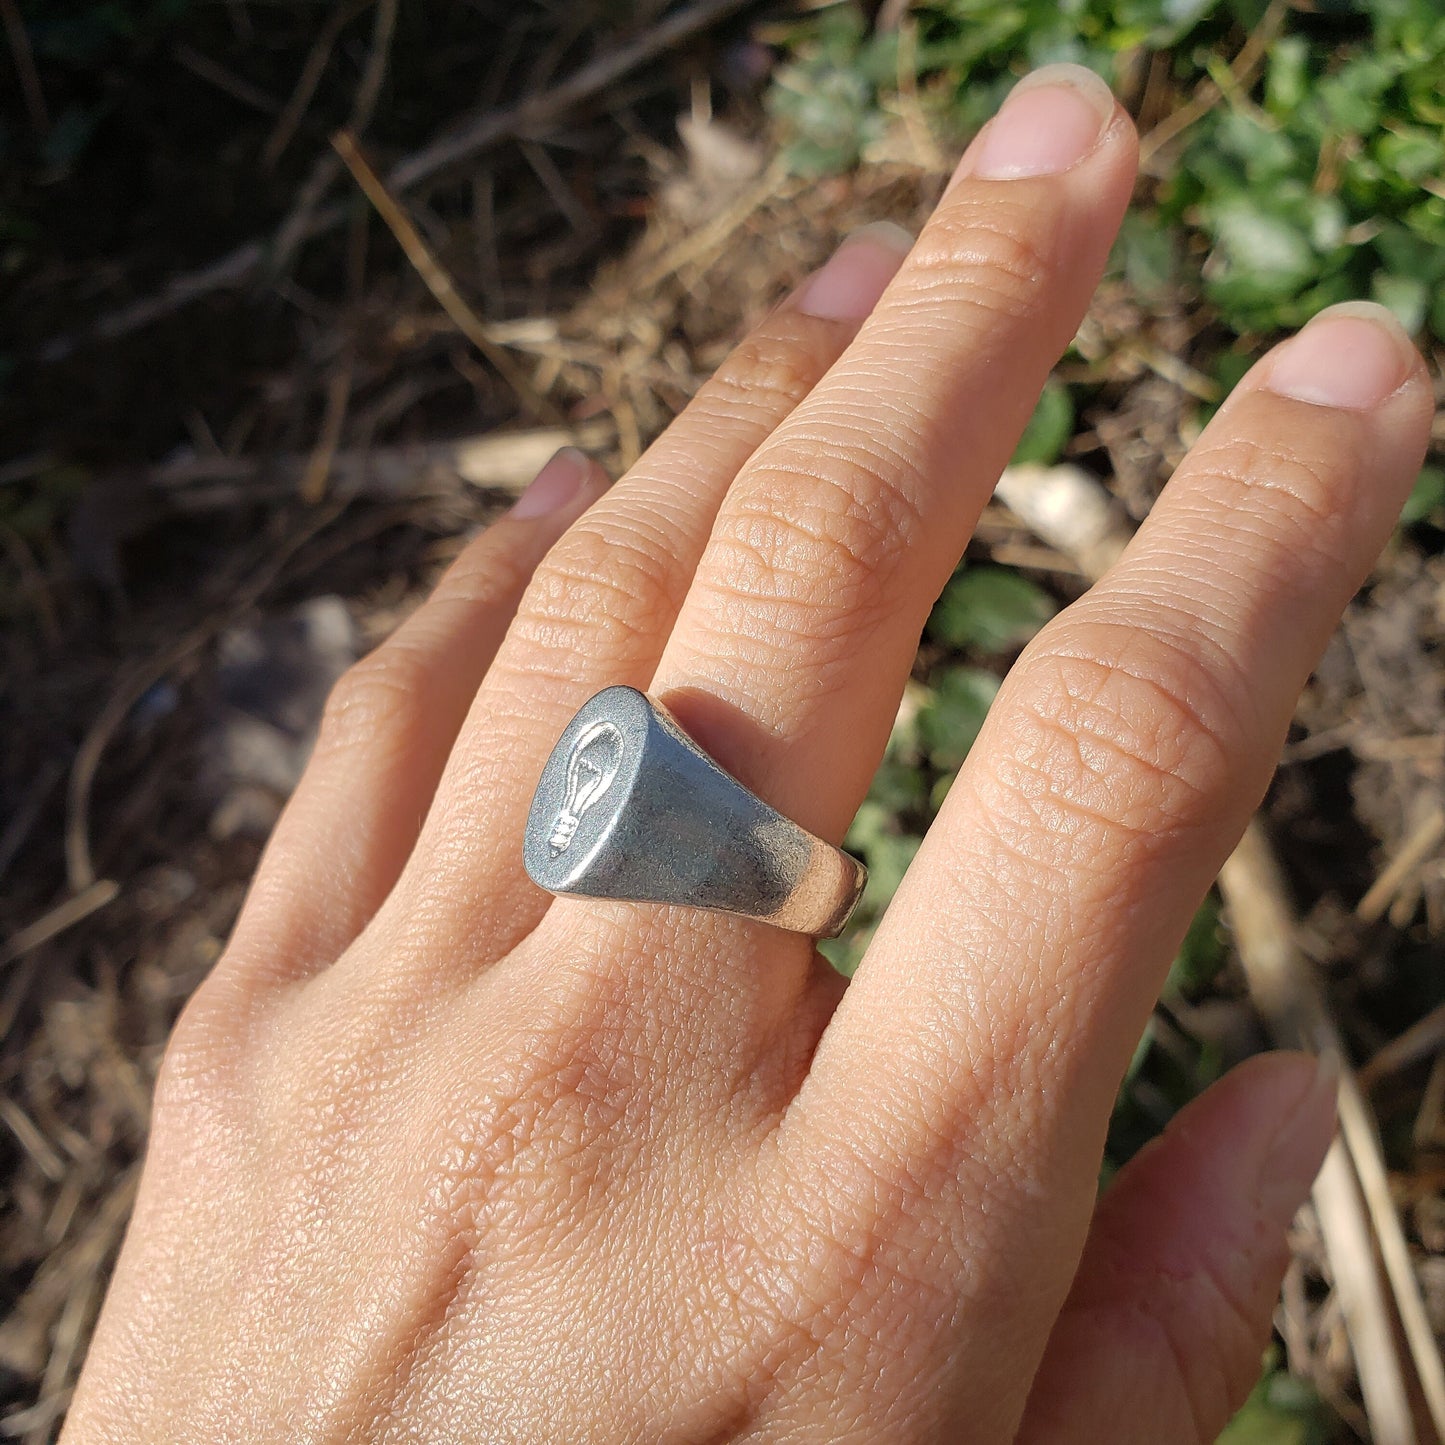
(983, 1037)
(388, 727)
(600, 610)
(791, 652)
(1170, 1311)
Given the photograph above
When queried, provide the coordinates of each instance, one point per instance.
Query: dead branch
(64, 915)
(1423, 1038)
(1252, 55)
(463, 143)
(311, 72)
(437, 279)
(24, 58)
(326, 169)
(1402, 868)
(502, 461)
(213, 73)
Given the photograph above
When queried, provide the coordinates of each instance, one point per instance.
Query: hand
(438, 1158)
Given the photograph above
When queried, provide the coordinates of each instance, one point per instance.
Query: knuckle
(615, 583)
(1124, 730)
(195, 1055)
(1291, 495)
(823, 566)
(996, 258)
(768, 374)
(206, 1071)
(487, 574)
(382, 697)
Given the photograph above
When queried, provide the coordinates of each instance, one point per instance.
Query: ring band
(629, 807)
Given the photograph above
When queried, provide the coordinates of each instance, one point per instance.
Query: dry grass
(351, 466)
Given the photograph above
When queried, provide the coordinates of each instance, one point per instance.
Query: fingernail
(1051, 120)
(857, 274)
(1350, 356)
(555, 485)
(1301, 1145)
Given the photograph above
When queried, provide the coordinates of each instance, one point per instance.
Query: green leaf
(949, 722)
(1412, 152)
(888, 857)
(1287, 80)
(1427, 499)
(899, 787)
(1202, 954)
(1049, 428)
(1407, 296)
(1281, 1410)
(1264, 255)
(990, 609)
(1146, 255)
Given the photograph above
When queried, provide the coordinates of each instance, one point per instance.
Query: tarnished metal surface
(629, 807)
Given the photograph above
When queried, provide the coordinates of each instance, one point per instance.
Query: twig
(703, 247)
(1252, 55)
(318, 465)
(32, 1140)
(504, 461)
(310, 77)
(1357, 1126)
(327, 169)
(1072, 512)
(23, 819)
(343, 377)
(24, 58)
(1423, 840)
(87, 1264)
(1419, 1041)
(1287, 995)
(363, 106)
(1432, 1106)
(437, 280)
(203, 67)
(1345, 1227)
(64, 915)
(469, 139)
(556, 185)
(920, 135)
(484, 131)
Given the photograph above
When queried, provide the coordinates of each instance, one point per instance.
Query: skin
(437, 1157)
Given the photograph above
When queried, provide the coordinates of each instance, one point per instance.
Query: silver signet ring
(629, 807)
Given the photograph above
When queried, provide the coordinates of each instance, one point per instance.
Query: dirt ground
(218, 487)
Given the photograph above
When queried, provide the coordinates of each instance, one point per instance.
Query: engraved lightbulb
(596, 756)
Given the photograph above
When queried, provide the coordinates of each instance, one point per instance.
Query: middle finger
(792, 648)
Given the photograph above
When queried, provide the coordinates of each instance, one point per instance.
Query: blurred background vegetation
(239, 436)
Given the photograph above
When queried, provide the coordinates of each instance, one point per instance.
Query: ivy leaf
(1427, 498)
(1265, 257)
(990, 609)
(1407, 296)
(1202, 953)
(949, 722)
(1049, 428)
(1145, 254)
(886, 850)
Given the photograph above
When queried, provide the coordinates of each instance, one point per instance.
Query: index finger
(968, 1075)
